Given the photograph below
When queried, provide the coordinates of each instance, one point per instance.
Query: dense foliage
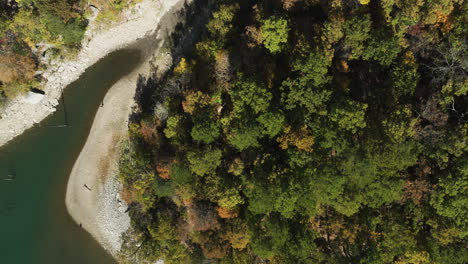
(305, 131)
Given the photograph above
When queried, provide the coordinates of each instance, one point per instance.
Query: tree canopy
(310, 132)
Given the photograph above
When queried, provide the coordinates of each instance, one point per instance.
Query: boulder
(32, 98)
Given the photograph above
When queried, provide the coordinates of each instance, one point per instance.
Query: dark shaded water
(34, 224)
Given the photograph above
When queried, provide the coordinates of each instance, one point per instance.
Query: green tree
(205, 131)
(238, 234)
(221, 23)
(395, 240)
(404, 78)
(204, 161)
(350, 115)
(248, 95)
(275, 32)
(399, 124)
(71, 32)
(270, 237)
(272, 123)
(383, 48)
(357, 31)
(377, 172)
(307, 89)
(180, 174)
(450, 199)
(230, 199)
(173, 126)
(245, 137)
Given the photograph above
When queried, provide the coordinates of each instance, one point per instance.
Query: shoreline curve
(101, 211)
(139, 22)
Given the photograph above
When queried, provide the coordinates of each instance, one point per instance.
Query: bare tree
(450, 62)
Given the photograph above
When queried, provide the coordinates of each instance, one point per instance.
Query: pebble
(112, 219)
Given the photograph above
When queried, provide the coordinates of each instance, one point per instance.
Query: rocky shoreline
(101, 211)
(145, 27)
(19, 115)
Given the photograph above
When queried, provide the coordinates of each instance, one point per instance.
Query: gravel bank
(142, 20)
(100, 210)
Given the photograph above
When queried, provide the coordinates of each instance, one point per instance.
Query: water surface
(34, 168)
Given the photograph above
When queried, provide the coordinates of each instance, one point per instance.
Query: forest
(307, 131)
(34, 32)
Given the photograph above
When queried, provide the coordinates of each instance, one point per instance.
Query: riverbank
(140, 21)
(92, 197)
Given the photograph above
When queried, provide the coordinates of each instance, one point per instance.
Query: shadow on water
(34, 168)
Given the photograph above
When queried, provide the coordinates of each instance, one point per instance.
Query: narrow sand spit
(99, 209)
(138, 22)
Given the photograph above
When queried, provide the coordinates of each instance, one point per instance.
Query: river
(34, 168)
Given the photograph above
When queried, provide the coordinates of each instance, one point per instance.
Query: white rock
(32, 98)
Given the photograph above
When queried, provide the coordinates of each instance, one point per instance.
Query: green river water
(34, 224)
